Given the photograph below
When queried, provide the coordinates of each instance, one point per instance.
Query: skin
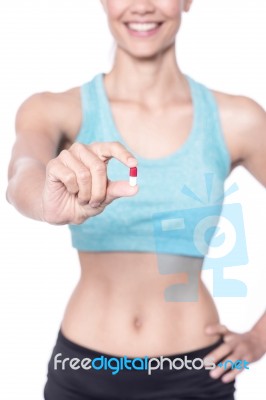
(55, 180)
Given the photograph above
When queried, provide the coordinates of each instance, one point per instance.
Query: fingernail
(214, 374)
(133, 188)
(225, 379)
(131, 160)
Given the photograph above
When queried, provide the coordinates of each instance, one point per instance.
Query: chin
(144, 54)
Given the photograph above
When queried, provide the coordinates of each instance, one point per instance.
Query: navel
(137, 323)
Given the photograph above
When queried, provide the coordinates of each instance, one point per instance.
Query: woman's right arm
(65, 188)
(38, 133)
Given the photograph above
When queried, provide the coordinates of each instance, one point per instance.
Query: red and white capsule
(133, 173)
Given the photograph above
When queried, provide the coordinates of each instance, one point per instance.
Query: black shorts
(104, 384)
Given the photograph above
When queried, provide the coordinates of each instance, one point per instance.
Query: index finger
(107, 150)
(218, 353)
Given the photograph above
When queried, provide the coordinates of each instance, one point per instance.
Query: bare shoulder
(58, 113)
(244, 126)
(245, 108)
(243, 121)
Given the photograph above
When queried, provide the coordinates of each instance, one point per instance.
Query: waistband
(198, 353)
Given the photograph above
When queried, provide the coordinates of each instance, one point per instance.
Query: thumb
(119, 189)
(216, 328)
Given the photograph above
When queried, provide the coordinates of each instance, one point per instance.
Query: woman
(140, 292)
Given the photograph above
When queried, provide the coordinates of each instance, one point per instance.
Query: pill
(133, 173)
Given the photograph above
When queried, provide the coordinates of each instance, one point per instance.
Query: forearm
(260, 329)
(25, 188)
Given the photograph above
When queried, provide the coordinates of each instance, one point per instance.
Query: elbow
(9, 196)
(10, 178)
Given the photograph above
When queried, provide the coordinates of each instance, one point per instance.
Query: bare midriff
(118, 307)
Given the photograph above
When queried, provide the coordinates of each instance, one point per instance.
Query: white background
(55, 45)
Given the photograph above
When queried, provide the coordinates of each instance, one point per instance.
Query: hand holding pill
(77, 186)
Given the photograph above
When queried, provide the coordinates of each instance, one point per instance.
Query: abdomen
(127, 304)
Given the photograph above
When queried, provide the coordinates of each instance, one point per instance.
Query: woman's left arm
(247, 124)
(250, 136)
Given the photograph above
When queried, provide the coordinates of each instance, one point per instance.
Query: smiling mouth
(143, 26)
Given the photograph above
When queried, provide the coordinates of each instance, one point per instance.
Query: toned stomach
(118, 307)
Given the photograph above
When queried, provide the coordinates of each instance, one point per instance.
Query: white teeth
(142, 27)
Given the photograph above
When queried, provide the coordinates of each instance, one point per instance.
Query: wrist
(259, 336)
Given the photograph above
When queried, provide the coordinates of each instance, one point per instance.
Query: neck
(152, 81)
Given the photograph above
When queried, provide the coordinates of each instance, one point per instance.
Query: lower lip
(145, 34)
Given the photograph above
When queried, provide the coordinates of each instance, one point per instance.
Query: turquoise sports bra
(180, 195)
